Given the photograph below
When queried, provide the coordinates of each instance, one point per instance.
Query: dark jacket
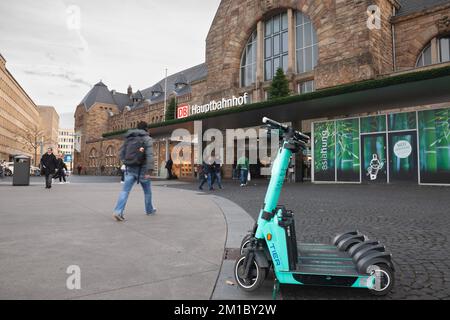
(149, 165)
(49, 163)
(61, 165)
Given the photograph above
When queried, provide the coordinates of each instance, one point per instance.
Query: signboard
(187, 110)
(324, 151)
(183, 111)
(67, 158)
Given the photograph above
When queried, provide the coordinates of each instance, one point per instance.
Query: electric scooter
(351, 260)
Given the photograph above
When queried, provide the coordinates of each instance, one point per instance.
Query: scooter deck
(323, 259)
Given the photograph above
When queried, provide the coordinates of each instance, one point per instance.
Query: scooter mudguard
(261, 259)
(368, 250)
(346, 243)
(345, 235)
(354, 249)
(374, 258)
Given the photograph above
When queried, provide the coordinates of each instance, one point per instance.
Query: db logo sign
(183, 111)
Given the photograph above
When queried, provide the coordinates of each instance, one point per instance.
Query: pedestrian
(169, 166)
(205, 176)
(123, 168)
(2, 172)
(48, 167)
(137, 155)
(79, 167)
(216, 173)
(243, 166)
(61, 169)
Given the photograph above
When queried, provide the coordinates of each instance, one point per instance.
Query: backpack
(133, 156)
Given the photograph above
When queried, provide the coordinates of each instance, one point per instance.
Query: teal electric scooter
(351, 260)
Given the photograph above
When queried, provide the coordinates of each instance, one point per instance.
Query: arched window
(424, 58)
(441, 47)
(93, 158)
(248, 62)
(110, 157)
(275, 45)
(307, 50)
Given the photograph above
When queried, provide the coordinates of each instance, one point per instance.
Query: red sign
(183, 111)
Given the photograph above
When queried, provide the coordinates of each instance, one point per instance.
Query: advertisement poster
(347, 150)
(402, 121)
(373, 124)
(434, 141)
(324, 151)
(403, 157)
(374, 168)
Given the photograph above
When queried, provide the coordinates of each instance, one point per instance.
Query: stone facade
(18, 115)
(414, 32)
(348, 51)
(49, 122)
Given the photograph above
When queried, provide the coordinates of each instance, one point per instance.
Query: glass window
(444, 45)
(248, 62)
(306, 87)
(306, 44)
(275, 45)
(425, 57)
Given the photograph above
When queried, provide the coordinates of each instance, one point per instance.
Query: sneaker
(121, 182)
(118, 218)
(152, 213)
(242, 184)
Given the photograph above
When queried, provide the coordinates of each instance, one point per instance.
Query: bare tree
(33, 138)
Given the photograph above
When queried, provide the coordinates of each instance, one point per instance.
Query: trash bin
(21, 175)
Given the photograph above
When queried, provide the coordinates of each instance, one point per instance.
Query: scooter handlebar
(298, 135)
(274, 123)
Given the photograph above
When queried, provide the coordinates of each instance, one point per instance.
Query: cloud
(56, 72)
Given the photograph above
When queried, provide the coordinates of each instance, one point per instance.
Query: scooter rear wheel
(384, 282)
(256, 277)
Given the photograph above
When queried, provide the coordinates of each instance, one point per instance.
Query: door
(374, 165)
(403, 157)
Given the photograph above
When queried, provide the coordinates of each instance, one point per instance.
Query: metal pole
(165, 96)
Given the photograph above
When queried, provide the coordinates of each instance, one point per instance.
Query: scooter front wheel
(245, 243)
(255, 277)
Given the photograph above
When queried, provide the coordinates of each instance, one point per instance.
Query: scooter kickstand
(276, 289)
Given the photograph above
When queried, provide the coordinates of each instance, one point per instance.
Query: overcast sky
(58, 49)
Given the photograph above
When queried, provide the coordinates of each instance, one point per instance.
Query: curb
(239, 223)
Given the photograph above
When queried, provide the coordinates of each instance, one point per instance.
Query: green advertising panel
(434, 141)
(402, 121)
(347, 150)
(403, 156)
(373, 124)
(324, 151)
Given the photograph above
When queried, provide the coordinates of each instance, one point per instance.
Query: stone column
(259, 59)
(291, 40)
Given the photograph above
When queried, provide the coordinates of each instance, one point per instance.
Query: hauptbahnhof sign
(186, 110)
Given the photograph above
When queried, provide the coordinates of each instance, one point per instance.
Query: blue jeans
(131, 177)
(244, 176)
(204, 179)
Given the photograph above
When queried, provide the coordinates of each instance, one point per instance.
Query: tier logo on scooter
(275, 256)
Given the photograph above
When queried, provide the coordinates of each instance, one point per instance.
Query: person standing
(48, 165)
(204, 175)
(79, 169)
(2, 173)
(243, 166)
(137, 155)
(217, 173)
(169, 166)
(61, 169)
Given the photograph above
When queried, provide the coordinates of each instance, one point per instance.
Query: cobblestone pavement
(412, 221)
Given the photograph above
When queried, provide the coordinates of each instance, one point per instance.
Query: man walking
(137, 155)
(243, 166)
(169, 166)
(217, 173)
(61, 169)
(48, 166)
